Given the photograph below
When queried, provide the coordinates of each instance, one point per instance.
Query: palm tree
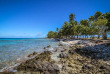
(60, 33)
(91, 18)
(79, 29)
(107, 16)
(71, 17)
(99, 24)
(97, 14)
(65, 29)
(102, 28)
(85, 23)
(73, 28)
(57, 29)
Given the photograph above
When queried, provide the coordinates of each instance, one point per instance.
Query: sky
(35, 18)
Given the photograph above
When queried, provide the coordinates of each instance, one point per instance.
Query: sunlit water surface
(13, 49)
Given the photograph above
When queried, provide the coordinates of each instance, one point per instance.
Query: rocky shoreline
(70, 57)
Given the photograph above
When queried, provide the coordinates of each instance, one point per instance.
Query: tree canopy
(98, 24)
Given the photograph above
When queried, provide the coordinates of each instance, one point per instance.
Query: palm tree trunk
(71, 36)
(91, 36)
(74, 36)
(98, 36)
(104, 35)
(80, 36)
(87, 36)
(77, 36)
(66, 37)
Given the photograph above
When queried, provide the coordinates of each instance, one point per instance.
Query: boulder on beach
(63, 55)
(30, 55)
(48, 46)
(41, 63)
(69, 59)
(34, 53)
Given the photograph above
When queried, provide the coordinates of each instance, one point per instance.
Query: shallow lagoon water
(13, 49)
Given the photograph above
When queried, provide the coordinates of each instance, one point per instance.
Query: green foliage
(97, 14)
(98, 24)
(91, 18)
(107, 16)
(66, 29)
(101, 22)
(71, 17)
(79, 29)
(52, 34)
(60, 33)
(85, 23)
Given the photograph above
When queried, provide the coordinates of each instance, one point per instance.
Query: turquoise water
(13, 49)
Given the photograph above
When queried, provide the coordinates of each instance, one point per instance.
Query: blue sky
(34, 18)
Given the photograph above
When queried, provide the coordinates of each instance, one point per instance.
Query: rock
(41, 66)
(44, 48)
(108, 43)
(48, 46)
(46, 72)
(71, 51)
(63, 67)
(65, 44)
(87, 67)
(55, 50)
(57, 39)
(78, 60)
(41, 63)
(102, 67)
(35, 53)
(60, 44)
(70, 65)
(98, 41)
(7, 72)
(64, 50)
(63, 55)
(71, 72)
(30, 55)
(45, 53)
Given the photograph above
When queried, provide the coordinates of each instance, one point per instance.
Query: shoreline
(11, 48)
(17, 63)
(65, 51)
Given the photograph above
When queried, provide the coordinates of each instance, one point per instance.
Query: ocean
(14, 49)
